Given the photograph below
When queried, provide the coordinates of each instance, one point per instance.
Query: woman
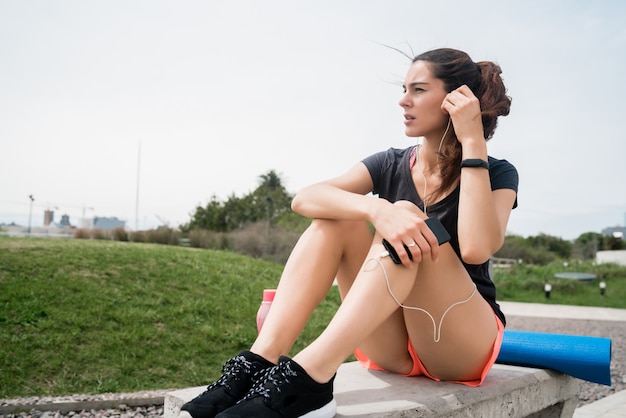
(410, 318)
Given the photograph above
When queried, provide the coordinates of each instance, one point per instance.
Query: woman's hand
(464, 110)
(401, 224)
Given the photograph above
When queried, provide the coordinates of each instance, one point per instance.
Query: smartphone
(393, 254)
(438, 229)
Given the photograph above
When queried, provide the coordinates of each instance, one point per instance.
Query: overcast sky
(191, 99)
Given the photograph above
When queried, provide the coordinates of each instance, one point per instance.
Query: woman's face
(422, 99)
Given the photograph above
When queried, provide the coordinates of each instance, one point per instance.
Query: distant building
(48, 217)
(613, 231)
(108, 223)
(65, 220)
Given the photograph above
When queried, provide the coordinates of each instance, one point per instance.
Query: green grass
(89, 316)
(525, 283)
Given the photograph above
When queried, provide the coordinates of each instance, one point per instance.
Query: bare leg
(365, 308)
(326, 250)
(369, 318)
(471, 325)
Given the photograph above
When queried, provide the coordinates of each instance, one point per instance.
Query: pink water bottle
(268, 297)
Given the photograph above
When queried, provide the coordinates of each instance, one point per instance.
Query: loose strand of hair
(393, 48)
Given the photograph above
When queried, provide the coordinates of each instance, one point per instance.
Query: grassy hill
(90, 316)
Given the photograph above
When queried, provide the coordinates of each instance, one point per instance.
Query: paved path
(613, 406)
(541, 310)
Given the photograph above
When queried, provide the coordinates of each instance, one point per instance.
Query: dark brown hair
(455, 68)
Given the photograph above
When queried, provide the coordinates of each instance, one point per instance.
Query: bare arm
(483, 213)
(344, 198)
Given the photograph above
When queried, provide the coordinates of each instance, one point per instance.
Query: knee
(347, 235)
(339, 227)
(327, 227)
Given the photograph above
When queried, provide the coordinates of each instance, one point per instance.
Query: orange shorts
(420, 370)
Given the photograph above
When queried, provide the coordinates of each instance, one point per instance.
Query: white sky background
(220, 92)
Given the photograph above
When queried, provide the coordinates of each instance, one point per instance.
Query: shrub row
(256, 240)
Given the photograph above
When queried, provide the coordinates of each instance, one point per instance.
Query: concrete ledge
(508, 391)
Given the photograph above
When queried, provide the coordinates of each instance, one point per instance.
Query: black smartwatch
(475, 163)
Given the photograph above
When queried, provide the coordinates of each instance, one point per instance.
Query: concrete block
(508, 391)
(174, 400)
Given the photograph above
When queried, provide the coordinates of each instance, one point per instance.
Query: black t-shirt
(391, 175)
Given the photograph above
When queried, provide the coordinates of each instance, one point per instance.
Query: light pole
(30, 216)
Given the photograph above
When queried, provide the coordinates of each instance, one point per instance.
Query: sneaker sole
(184, 414)
(327, 411)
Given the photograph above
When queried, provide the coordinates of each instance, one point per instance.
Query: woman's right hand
(402, 223)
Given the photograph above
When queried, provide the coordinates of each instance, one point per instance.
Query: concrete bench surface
(508, 391)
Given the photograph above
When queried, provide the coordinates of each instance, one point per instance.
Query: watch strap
(475, 163)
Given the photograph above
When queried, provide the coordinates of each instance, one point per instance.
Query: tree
(613, 242)
(268, 202)
(271, 198)
(209, 217)
(559, 246)
(587, 245)
(271, 180)
(541, 249)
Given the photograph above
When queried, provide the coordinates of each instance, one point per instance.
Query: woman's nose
(404, 102)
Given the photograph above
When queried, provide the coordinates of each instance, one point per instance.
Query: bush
(281, 244)
(259, 241)
(532, 250)
(100, 234)
(138, 236)
(82, 234)
(163, 235)
(120, 234)
(253, 240)
(201, 238)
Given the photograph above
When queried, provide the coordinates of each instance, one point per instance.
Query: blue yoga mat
(587, 358)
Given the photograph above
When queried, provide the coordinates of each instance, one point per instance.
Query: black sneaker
(285, 391)
(237, 378)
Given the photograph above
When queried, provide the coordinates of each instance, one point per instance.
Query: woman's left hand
(464, 110)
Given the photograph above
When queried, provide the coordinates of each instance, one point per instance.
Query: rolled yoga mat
(587, 358)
